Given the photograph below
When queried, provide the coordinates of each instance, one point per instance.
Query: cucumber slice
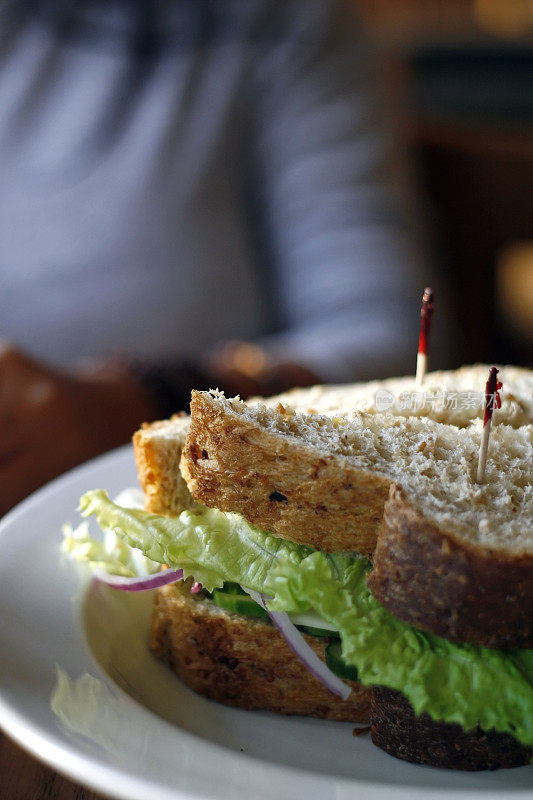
(312, 631)
(336, 663)
(239, 604)
(232, 598)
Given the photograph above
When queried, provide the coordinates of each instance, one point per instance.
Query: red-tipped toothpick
(425, 325)
(492, 400)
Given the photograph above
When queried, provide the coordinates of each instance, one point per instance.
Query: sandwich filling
(462, 683)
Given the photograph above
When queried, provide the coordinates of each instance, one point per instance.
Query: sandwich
(360, 535)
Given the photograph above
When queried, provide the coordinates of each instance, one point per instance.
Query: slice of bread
(396, 729)
(241, 661)
(158, 447)
(456, 397)
(236, 455)
(325, 482)
(458, 587)
(281, 474)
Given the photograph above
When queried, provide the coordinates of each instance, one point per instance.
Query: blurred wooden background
(466, 66)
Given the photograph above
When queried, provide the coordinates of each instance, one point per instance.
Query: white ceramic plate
(80, 690)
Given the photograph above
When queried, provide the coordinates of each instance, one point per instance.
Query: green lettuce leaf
(115, 559)
(462, 683)
(207, 544)
(466, 684)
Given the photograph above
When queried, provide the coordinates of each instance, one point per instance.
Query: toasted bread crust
(426, 577)
(396, 729)
(243, 662)
(315, 499)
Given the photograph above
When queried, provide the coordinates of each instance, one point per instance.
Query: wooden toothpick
(492, 400)
(425, 325)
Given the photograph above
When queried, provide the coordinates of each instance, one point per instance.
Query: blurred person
(180, 179)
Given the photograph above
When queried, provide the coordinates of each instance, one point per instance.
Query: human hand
(52, 420)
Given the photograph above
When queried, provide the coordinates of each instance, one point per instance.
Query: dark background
(466, 69)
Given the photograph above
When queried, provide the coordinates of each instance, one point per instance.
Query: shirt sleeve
(343, 275)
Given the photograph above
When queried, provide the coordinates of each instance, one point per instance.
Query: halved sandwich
(292, 508)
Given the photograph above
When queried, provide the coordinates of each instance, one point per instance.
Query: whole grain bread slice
(158, 447)
(455, 397)
(454, 588)
(297, 475)
(325, 483)
(241, 661)
(395, 728)
(234, 461)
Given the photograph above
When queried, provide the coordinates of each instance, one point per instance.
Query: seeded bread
(158, 447)
(455, 397)
(455, 587)
(461, 569)
(241, 661)
(259, 463)
(396, 729)
(325, 482)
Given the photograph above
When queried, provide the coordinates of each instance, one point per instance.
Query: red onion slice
(139, 583)
(301, 649)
